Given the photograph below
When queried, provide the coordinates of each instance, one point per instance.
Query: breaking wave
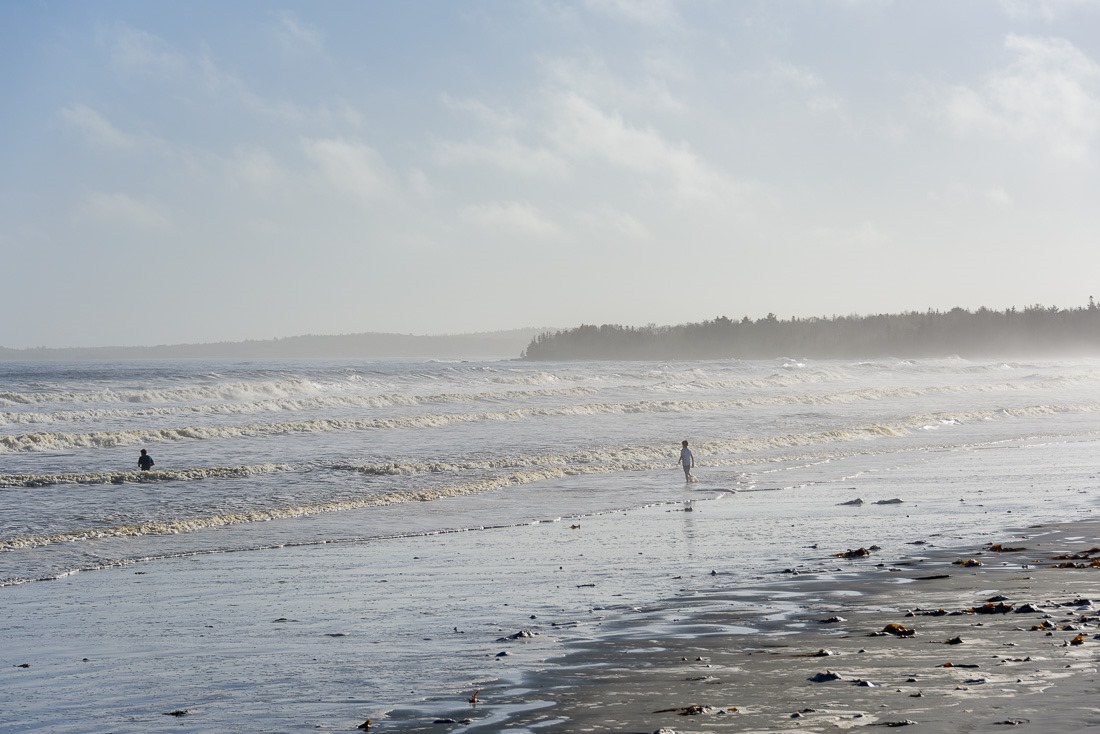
(266, 404)
(143, 477)
(517, 470)
(55, 441)
(185, 525)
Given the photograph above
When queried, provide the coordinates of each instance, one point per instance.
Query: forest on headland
(1034, 330)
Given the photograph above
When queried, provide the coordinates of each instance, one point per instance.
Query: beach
(542, 554)
(757, 655)
(926, 644)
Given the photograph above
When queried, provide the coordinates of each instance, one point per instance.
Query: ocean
(321, 542)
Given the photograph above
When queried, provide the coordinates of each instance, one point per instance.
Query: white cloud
(817, 98)
(997, 197)
(255, 168)
(862, 236)
(652, 13)
(96, 129)
(220, 83)
(501, 119)
(1049, 94)
(503, 150)
(1045, 10)
(583, 131)
(970, 197)
(593, 80)
(122, 209)
(510, 218)
(139, 53)
(616, 221)
(353, 168)
(295, 36)
(420, 184)
(506, 154)
(349, 114)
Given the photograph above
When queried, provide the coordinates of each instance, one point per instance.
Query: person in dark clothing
(145, 461)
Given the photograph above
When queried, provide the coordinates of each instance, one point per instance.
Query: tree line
(1033, 330)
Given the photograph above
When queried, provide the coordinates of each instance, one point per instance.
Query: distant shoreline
(486, 345)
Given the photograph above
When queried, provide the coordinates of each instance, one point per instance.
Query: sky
(208, 171)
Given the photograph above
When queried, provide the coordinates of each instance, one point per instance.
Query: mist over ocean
(382, 511)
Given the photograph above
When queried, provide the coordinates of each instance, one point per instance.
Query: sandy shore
(961, 640)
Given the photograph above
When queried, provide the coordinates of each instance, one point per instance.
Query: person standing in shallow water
(687, 460)
(145, 461)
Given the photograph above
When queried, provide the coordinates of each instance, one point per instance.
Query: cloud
(134, 52)
(353, 168)
(1044, 10)
(592, 79)
(970, 197)
(294, 36)
(137, 53)
(610, 219)
(1048, 95)
(122, 209)
(220, 83)
(651, 13)
(501, 119)
(96, 129)
(255, 168)
(510, 218)
(584, 131)
(865, 235)
(818, 99)
(506, 154)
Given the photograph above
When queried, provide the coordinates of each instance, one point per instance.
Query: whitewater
(393, 518)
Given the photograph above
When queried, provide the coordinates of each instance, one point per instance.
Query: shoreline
(840, 644)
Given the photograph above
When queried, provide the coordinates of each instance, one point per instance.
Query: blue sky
(205, 171)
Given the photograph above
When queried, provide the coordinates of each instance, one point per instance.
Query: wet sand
(922, 642)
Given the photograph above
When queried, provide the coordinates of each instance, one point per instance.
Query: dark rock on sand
(825, 677)
(521, 635)
(822, 653)
(968, 563)
(693, 710)
(899, 630)
(989, 608)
